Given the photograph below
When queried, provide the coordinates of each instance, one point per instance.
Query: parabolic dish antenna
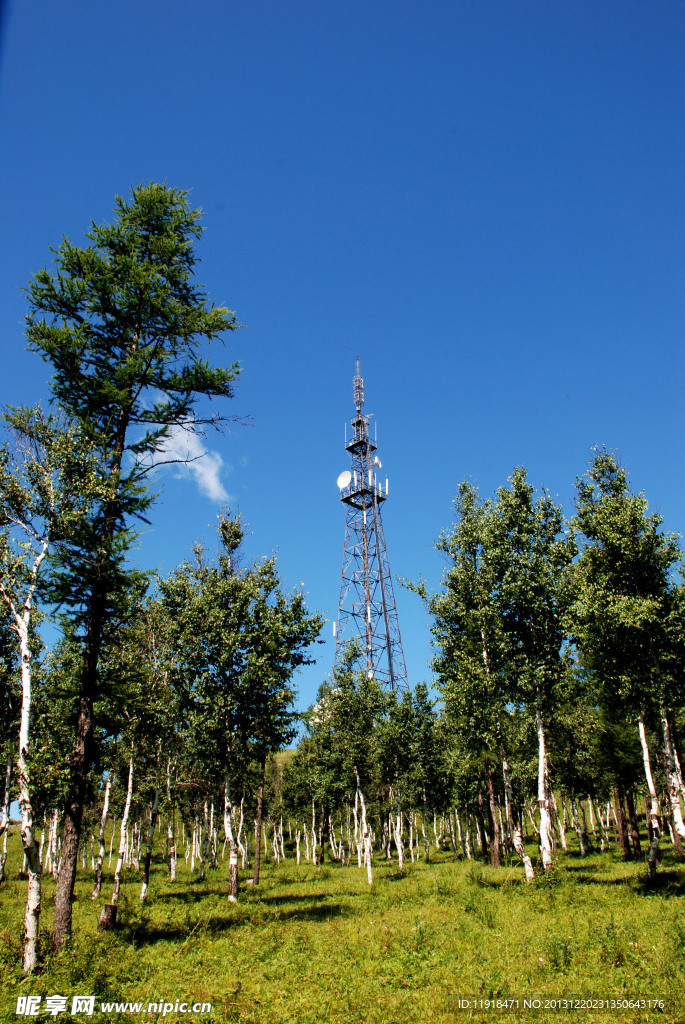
(344, 479)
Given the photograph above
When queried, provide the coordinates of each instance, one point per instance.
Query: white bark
(654, 808)
(366, 834)
(543, 803)
(672, 778)
(314, 860)
(22, 618)
(516, 835)
(592, 822)
(148, 845)
(576, 824)
(32, 915)
(171, 838)
(5, 820)
(241, 848)
(123, 840)
(54, 855)
(399, 842)
(101, 840)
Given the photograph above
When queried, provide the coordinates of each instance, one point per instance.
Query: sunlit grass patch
(313, 945)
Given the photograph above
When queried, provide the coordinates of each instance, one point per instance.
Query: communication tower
(367, 612)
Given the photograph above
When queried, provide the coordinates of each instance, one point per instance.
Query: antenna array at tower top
(358, 385)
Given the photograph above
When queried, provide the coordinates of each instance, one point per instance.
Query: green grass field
(311, 946)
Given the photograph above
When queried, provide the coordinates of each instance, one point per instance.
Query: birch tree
(46, 489)
(531, 555)
(623, 588)
(238, 640)
(469, 637)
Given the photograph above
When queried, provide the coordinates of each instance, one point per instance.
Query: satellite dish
(344, 479)
(377, 462)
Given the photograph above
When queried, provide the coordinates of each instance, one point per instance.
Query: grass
(309, 946)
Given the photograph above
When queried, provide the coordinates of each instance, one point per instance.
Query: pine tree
(121, 322)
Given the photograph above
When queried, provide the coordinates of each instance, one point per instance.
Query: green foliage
(235, 641)
(622, 585)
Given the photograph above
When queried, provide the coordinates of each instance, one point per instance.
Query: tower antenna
(367, 613)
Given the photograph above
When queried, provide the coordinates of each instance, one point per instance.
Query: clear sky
(483, 201)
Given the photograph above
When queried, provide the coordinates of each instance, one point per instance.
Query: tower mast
(367, 613)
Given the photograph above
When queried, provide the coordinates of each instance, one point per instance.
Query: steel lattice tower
(367, 612)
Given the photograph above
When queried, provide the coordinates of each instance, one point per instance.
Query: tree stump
(108, 917)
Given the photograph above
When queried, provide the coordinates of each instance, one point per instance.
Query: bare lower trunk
(492, 814)
(258, 827)
(170, 824)
(673, 782)
(202, 843)
(123, 833)
(101, 840)
(620, 818)
(517, 837)
(5, 819)
(399, 844)
(655, 829)
(78, 786)
(148, 845)
(634, 830)
(480, 823)
(543, 803)
(576, 825)
(28, 841)
(232, 849)
(366, 833)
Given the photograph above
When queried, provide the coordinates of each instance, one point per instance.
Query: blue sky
(484, 202)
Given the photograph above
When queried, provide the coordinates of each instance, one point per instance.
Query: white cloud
(184, 448)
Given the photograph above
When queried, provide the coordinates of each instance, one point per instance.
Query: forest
(153, 746)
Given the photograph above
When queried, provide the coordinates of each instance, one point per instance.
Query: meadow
(311, 945)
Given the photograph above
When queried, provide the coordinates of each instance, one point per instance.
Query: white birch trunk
(575, 820)
(366, 834)
(543, 803)
(459, 835)
(592, 822)
(101, 840)
(399, 842)
(314, 860)
(516, 835)
(32, 915)
(242, 849)
(148, 844)
(170, 834)
(232, 850)
(5, 821)
(123, 840)
(654, 808)
(672, 779)
(203, 840)
(54, 843)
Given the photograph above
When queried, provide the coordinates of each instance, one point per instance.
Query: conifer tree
(121, 322)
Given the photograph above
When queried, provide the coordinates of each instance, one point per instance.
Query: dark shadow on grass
(190, 896)
(270, 900)
(138, 936)
(664, 884)
(320, 913)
